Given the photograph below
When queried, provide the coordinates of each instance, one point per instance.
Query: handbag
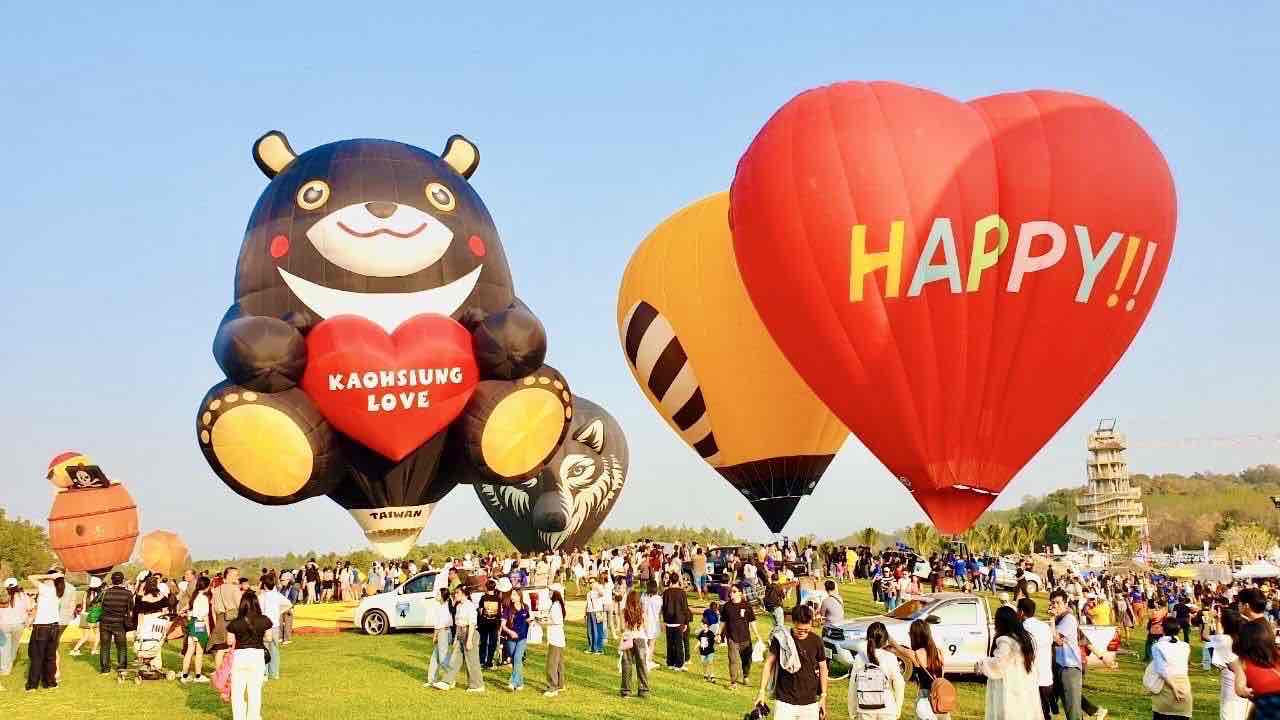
(94, 615)
(757, 652)
(222, 678)
(626, 643)
(535, 633)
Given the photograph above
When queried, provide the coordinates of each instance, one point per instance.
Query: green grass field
(352, 675)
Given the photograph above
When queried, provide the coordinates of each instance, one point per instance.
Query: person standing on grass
(226, 603)
(1069, 661)
(197, 632)
(515, 634)
(43, 646)
(631, 648)
(1257, 669)
(274, 605)
(467, 639)
(248, 660)
(489, 616)
(117, 608)
(12, 622)
(1230, 705)
(1169, 660)
(442, 636)
(651, 607)
(555, 642)
(700, 572)
(801, 665)
(89, 630)
(737, 628)
(1012, 692)
(676, 616)
(1042, 636)
(595, 618)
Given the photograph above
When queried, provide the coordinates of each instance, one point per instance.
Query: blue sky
(128, 181)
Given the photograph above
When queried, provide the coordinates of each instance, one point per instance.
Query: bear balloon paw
(273, 448)
(512, 428)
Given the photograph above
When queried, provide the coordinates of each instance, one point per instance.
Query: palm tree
(923, 538)
(869, 537)
(1033, 530)
(976, 539)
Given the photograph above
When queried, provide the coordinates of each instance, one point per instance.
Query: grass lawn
(352, 675)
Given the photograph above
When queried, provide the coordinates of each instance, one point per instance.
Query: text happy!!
(385, 379)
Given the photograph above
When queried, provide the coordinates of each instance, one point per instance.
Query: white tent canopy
(1258, 569)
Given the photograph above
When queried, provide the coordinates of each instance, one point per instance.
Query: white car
(412, 606)
(408, 606)
(1007, 576)
(960, 624)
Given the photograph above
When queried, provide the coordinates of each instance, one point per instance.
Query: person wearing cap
(13, 621)
(43, 647)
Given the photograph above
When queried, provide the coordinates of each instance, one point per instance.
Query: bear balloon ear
(461, 155)
(272, 153)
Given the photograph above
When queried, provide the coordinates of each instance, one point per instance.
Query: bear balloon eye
(440, 196)
(313, 194)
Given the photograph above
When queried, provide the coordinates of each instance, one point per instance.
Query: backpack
(873, 687)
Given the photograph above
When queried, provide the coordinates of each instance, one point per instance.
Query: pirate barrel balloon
(93, 523)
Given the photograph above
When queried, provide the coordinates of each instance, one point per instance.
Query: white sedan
(409, 606)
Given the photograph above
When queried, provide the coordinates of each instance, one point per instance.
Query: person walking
(467, 641)
(43, 646)
(595, 618)
(117, 609)
(442, 638)
(737, 628)
(245, 637)
(226, 603)
(929, 668)
(197, 632)
(676, 615)
(1257, 668)
(1169, 662)
(515, 634)
(1069, 662)
(801, 670)
(631, 648)
(555, 642)
(876, 685)
(1012, 685)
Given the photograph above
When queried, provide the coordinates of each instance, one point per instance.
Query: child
(711, 616)
(707, 648)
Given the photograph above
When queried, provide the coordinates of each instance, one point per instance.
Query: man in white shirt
(1070, 665)
(1042, 636)
(273, 605)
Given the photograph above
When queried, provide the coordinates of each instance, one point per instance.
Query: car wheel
(1033, 587)
(375, 622)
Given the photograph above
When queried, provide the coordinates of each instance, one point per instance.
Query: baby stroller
(147, 643)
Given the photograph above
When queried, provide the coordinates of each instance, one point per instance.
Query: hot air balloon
(952, 279)
(705, 361)
(161, 551)
(93, 523)
(564, 504)
(373, 305)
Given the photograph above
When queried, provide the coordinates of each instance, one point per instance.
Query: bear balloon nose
(381, 210)
(554, 521)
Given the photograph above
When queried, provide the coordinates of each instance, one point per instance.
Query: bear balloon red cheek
(279, 246)
(477, 246)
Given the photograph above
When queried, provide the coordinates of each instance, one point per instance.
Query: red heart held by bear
(391, 392)
(952, 279)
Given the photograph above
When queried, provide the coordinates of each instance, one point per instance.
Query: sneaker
(479, 689)
(201, 679)
(550, 693)
(1101, 714)
(442, 685)
(74, 653)
(511, 687)
(184, 679)
(519, 688)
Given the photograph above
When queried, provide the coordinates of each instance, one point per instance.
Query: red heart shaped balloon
(391, 392)
(952, 279)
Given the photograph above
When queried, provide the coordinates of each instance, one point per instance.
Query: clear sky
(127, 183)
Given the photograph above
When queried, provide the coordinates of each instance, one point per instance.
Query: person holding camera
(800, 665)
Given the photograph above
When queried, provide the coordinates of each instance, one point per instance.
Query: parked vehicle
(412, 605)
(1007, 575)
(961, 625)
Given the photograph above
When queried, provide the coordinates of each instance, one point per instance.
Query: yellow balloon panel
(683, 283)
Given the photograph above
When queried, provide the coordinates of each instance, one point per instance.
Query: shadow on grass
(417, 673)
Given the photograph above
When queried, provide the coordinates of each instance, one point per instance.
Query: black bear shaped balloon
(374, 314)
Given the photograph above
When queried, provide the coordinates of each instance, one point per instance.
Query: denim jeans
(273, 665)
(595, 633)
(441, 655)
(515, 648)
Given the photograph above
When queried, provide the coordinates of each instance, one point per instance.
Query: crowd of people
(635, 595)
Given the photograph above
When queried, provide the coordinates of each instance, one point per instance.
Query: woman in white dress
(1230, 705)
(1013, 690)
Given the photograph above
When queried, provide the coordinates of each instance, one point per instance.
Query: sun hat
(95, 582)
(11, 583)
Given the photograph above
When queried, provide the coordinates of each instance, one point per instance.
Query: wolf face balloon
(373, 302)
(567, 501)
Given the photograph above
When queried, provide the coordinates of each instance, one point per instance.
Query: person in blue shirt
(515, 633)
